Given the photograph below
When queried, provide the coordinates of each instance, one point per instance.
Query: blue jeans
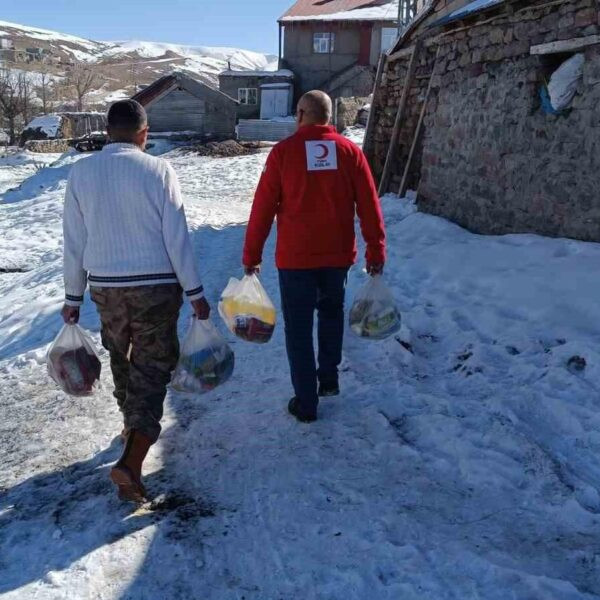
(302, 292)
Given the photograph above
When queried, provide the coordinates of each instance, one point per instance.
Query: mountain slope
(122, 67)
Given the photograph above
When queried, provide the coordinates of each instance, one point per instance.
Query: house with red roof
(335, 45)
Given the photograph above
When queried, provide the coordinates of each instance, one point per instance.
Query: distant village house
(260, 94)
(335, 45)
(181, 106)
(60, 131)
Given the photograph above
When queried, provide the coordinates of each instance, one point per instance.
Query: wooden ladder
(404, 184)
(393, 147)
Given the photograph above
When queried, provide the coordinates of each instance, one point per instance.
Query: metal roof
(319, 9)
(469, 9)
(168, 82)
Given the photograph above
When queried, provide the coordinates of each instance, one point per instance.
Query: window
(248, 96)
(323, 43)
(388, 38)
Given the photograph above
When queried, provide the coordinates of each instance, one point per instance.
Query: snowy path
(464, 468)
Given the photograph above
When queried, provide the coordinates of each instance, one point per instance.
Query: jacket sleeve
(264, 209)
(74, 242)
(368, 208)
(177, 238)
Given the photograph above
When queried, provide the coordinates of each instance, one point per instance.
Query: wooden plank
(404, 185)
(368, 143)
(400, 54)
(393, 147)
(565, 45)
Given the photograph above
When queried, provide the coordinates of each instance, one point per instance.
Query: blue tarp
(467, 10)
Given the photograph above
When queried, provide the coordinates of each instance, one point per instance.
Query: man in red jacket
(315, 182)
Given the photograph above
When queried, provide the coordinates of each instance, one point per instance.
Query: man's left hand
(70, 314)
(201, 309)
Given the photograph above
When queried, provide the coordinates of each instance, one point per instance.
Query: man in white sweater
(125, 233)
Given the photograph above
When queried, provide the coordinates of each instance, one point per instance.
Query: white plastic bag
(247, 310)
(564, 81)
(206, 360)
(374, 313)
(73, 362)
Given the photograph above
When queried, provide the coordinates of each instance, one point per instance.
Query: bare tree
(26, 95)
(44, 86)
(134, 78)
(82, 79)
(16, 95)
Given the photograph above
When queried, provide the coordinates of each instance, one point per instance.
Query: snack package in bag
(247, 310)
(206, 360)
(374, 314)
(73, 362)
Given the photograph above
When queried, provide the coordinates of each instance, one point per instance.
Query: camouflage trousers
(139, 329)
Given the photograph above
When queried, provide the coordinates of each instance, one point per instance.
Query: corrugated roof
(155, 89)
(193, 86)
(321, 8)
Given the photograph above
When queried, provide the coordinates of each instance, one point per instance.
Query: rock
(576, 364)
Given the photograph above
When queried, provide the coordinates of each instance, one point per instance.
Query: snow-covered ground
(461, 461)
(16, 166)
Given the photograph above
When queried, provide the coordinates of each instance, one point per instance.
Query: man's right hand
(201, 309)
(70, 314)
(252, 270)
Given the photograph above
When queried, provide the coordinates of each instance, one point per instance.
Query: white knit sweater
(124, 225)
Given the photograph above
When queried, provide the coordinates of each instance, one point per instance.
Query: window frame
(323, 42)
(246, 93)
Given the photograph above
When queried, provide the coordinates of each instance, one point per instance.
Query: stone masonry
(488, 157)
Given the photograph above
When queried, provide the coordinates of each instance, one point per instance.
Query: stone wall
(489, 158)
(347, 109)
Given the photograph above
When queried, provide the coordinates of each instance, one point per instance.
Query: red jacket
(315, 182)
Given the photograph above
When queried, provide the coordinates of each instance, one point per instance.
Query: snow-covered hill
(124, 66)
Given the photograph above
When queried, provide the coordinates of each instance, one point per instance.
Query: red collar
(308, 131)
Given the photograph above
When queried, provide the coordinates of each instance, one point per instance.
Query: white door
(274, 103)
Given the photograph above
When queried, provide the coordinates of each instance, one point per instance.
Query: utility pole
(407, 10)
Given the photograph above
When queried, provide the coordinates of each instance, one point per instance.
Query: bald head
(315, 108)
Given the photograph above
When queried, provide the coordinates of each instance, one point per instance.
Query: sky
(248, 24)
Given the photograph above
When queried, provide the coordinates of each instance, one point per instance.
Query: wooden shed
(179, 104)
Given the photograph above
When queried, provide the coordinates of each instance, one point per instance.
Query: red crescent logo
(325, 152)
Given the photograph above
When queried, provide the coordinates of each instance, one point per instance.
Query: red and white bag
(73, 362)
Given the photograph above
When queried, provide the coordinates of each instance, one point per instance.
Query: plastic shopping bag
(564, 81)
(73, 362)
(247, 310)
(206, 360)
(374, 314)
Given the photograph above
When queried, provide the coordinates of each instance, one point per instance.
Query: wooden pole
(393, 147)
(368, 143)
(404, 184)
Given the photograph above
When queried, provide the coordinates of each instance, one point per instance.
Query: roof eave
(321, 19)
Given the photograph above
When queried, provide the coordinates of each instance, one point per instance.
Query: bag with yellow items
(374, 313)
(247, 310)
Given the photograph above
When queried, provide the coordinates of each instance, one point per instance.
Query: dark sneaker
(327, 390)
(294, 408)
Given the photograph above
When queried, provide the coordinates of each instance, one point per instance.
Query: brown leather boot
(127, 473)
